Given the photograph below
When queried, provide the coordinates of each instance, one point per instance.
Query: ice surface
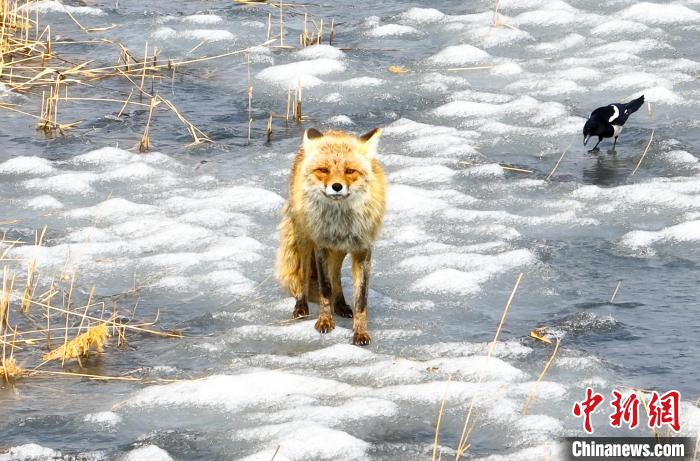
(44, 202)
(393, 30)
(310, 441)
(470, 134)
(655, 13)
(680, 233)
(103, 419)
(320, 52)
(266, 388)
(29, 452)
(147, 453)
(458, 55)
(304, 72)
(202, 19)
(57, 6)
(211, 35)
(34, 166)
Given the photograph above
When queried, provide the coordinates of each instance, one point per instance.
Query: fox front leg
(334, 265)
(361, 268)
(325, 322)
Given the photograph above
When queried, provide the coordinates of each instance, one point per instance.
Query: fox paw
(361, 339)
(300, 310)
(343, 310)
(325, 324)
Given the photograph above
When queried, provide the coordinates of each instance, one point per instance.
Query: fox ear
(310, 135)
(371, 141)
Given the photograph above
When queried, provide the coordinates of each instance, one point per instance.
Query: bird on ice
(607, 121)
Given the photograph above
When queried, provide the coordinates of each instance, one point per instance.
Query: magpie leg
(614, 142)
(595, 148)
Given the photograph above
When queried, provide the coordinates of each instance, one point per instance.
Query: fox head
(338, 165)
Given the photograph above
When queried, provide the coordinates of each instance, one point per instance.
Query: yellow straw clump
(94, 337)
(9, 369)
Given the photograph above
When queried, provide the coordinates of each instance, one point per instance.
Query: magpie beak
(585, 139)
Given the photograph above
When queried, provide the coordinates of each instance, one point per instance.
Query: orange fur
(337, 201)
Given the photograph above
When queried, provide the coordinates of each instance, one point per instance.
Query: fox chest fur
(344, 225)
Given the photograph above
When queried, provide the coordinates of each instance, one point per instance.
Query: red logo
(586, 407)
(663, 409)
(626, 410)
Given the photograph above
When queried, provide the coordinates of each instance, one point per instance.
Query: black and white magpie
(607, 121)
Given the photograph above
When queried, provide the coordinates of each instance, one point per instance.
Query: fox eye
(349, 171)
(323, 170)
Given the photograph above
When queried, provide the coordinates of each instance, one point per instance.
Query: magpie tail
(634, 105)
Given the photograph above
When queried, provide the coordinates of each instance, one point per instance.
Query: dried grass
(617, 288)
(31, 66)
(9, 370)
(85, 328)
(94, 339)
(651, 138)
(531, 394)
(398, 70)
(439, 419)
(463, 445)
(558, 162)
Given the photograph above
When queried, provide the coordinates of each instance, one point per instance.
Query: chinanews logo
(632, 410)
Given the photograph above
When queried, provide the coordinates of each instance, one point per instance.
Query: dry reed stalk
(303, 37)
(558, 162)
(198, 136)
(455, 69)
(145, 143)
(289, 105)
(88, 30)
(439, 419)
(110, 322)
(269, 25)
(297, 105)
(269, 128)
(52, 293)
(462, 447)
(8, 365)
(274, 455)
(617, 288)
(281, 5)
(102, 377)
(5, 298)
(31, 273)
(519, 170)
(531, 394)
(80, 346)
(539, 334)
(126, 102)
(496, 18)
(651, 138)
(10, 370)
(145, 65)
(250, 97)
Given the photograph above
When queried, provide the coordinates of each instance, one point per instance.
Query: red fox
(337, 201)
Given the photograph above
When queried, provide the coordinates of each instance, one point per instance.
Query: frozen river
(190, 231)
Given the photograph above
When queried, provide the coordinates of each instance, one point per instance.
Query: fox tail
(635, 104)
(289, 269)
